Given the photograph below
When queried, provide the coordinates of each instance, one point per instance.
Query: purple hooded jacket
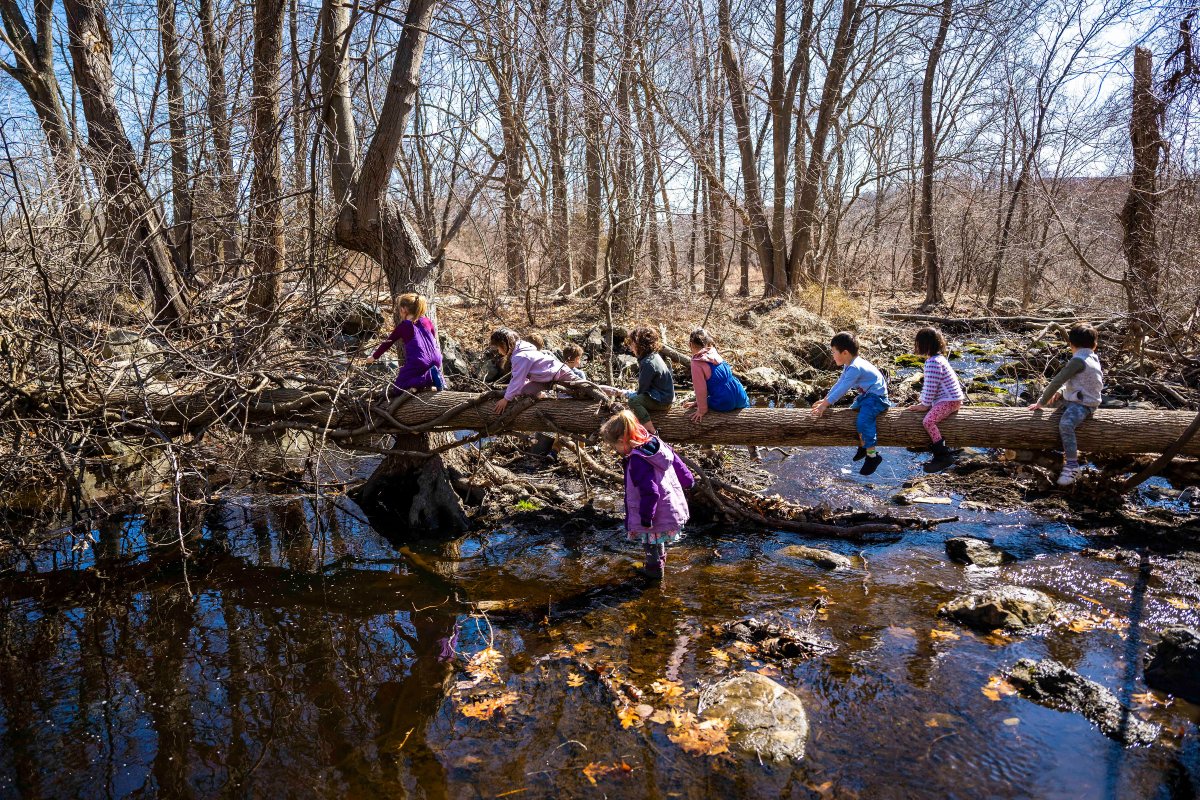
(421, 353)
(655, 480)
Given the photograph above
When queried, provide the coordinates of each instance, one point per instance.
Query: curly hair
(644, 340)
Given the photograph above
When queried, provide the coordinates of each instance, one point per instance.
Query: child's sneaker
(1069, 475)
(870, 464)
(859, 454)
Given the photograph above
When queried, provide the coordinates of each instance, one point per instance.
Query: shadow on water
(298, 652)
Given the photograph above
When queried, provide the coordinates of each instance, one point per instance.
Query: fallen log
(1108, 431)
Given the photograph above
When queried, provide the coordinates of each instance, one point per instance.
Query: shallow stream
(302, 654)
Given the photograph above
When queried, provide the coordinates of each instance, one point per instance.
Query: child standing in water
(1078, 385)
(872, 400)
(655, 481)
(422, 368)
(717, 388)
(656, 385)
(941, 394)
(533, 369)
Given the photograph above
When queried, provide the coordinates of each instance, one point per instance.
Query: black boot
(860, 454)
(943, 457)
(871, 464)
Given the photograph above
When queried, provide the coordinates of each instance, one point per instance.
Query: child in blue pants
(872, 400)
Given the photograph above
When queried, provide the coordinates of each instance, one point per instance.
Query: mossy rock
(909, 360)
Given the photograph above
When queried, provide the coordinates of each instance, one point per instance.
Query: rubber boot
(656, 560)
(943, 457)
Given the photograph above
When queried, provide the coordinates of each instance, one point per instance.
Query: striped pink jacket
(941, 383)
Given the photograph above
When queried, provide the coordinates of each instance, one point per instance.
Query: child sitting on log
(422, 368)
(533, 369)
(655, 481)
(872, 400)
(1078, 386)
(717, 388)
(656, 384)
(941, 394)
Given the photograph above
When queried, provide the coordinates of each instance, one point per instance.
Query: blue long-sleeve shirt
(859, 374)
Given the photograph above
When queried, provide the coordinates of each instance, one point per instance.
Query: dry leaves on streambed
(998, 687)
(597, 770)
(487, 707)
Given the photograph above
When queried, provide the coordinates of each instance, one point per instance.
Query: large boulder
(1011, 608)
(1173, 664)
(772, 381)
(981, 553)
(1049, 683)
(765, 719)
(826, 559)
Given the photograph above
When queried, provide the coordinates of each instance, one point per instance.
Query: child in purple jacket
(533, 369)
(422, 367)
(655, 481)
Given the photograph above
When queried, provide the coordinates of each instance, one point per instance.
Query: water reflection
(296, 652)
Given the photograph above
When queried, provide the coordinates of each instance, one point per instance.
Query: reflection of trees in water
(238, 688)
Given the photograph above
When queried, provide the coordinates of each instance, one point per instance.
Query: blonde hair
(416, 305)
(625, 430)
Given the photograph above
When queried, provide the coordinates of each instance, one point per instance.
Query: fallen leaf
(484, 663)
(719, 654)
(998, 687)
(768, 671)
(1176, 602)
(488, 707)
(1012, 722)
(931, 722)
(1149, 699)
(629, 717)
(681, 718)
(820, 588)
(631, 627)
(1115, 582)
(708, 738)
(597, 770)
(583, 647)
(644, 710)
(937, 634)
(574, 679)
(660, 717)
(1091, 600)
(670, 690)
(745, 647)
(1083, 624)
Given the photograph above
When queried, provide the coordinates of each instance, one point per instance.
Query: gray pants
(1072, 417)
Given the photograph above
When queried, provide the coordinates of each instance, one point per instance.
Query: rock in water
(981, 553)
(766, 719)
(778, 641)
(1048, 683)
(826, 559)
(1173, 664)
(1012, 608)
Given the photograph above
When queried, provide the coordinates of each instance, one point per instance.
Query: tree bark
(33, 54)
(556, 127)
(810, 178)
(1141, 203)
(591, 144)
(135, 232)
(1107, 431)
(925, 233)
(181, 187)
(266, 185)
(217, 106)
